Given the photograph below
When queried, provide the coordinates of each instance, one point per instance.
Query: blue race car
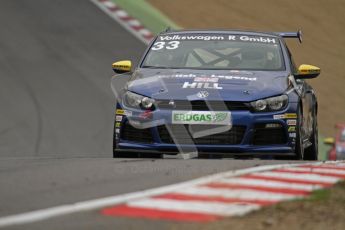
(234, 93)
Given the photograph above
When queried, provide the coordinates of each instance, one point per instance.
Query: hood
(219, 85)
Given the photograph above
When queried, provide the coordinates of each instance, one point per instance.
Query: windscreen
(215, 51)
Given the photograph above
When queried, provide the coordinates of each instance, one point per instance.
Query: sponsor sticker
(285, 116)
(120, 112)
(291, 122)
(290, 115)
(201, 117)
(201, 85)
(206, 79)
(117, 130)
(292, 135)
(244, 38)
(118, 118)
(292, 129)
(118, 124)
(278, 116)
(128, 113)
(226, 77)
(192, 37)
(254, 39)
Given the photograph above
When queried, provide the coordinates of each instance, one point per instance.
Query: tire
(311, 153)
(114, 142)
(299, 150)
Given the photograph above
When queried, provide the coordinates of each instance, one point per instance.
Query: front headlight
(137, 101)
(270, 104)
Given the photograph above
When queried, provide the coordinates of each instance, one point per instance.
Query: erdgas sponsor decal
(201, 117)
(201, 85)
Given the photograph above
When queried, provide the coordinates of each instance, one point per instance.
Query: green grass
(318, 195)
(148, 15)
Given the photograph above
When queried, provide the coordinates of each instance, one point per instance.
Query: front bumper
(280, 141)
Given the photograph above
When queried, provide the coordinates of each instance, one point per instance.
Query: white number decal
(173, 45)
(158, 46)
(170, 46)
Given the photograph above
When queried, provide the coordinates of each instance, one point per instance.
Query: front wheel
(311, 153)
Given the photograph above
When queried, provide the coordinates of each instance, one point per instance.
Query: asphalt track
(56, 115)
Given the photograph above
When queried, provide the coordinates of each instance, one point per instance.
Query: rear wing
(297, 34)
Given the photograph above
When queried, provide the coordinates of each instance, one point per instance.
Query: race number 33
(167, 45)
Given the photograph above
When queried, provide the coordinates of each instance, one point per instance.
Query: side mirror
(122, 66)
(329, 141)
(307, 71)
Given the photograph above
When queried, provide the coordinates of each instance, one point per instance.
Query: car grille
(131, 133)
(201, 105)
(233, 136)
(269, 136)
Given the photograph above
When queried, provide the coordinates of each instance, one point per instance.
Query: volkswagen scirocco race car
(217, 92)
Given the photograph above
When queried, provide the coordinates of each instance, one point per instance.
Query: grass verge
(148, 15)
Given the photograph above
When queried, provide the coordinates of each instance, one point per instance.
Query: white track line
(246, 194)
(269, 184)
(338, 165)
(296, 176)
(214, 208)
(335, 171)
(47, 213)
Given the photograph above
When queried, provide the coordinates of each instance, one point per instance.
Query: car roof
(233, 32)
